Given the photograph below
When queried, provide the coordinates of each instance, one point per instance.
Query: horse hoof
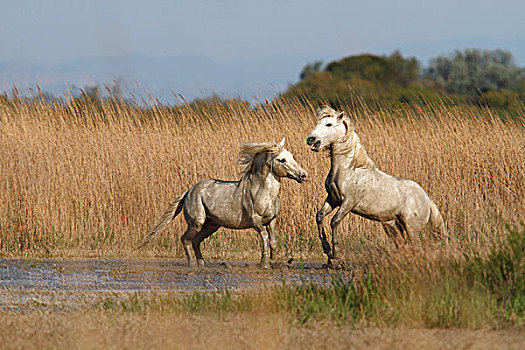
(264, 265)
(200, 263)
(335, 264)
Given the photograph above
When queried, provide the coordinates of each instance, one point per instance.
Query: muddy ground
(34, 283)
(43, 305)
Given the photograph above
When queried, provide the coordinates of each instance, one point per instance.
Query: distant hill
(192, 76)
(197, 76)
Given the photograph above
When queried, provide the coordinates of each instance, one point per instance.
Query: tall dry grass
(88, 179)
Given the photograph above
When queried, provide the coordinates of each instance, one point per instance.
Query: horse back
(218, 201)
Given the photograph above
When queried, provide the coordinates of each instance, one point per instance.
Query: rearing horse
(251, 202)
(355, 185)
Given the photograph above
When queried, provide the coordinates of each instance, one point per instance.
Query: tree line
(472, 76)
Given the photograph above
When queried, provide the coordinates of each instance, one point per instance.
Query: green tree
(368, 77)
(393, 69)
(310, 69)
(473, 71)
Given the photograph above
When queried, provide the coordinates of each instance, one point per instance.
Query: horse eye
(329, 125)
(281, 160)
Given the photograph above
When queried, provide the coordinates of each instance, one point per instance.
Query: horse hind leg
(186, 239)
(410, 228)
(392, 231)
(195, 216)
(206, 231)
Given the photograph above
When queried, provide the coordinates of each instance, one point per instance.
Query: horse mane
(350, 142)
(361, 158)
(326, 111)
(251, 155)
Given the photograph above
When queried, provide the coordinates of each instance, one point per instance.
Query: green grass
(502, 273)
(342, 302)
(217, 303)
(470, 291)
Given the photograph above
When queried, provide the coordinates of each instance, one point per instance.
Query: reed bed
(85, 178)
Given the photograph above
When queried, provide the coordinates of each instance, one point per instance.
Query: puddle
(33, 283)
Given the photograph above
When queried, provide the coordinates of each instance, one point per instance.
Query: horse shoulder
(360, 180)
(267, 205)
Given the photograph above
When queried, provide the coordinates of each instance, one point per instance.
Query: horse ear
(347, 127)
(348, 124)
(282, 142)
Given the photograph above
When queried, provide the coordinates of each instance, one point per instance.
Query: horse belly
(378, 206)
(228, 217)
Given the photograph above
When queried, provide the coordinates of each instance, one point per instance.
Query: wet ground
(30, 283)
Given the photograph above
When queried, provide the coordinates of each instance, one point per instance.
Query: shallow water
(29, 283)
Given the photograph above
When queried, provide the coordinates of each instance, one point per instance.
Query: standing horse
(355, 185)
(251, 202)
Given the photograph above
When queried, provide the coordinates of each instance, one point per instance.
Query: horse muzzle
(301, 178)
(314, 143)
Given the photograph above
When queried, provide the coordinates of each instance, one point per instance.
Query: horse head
(284, 165)
(281, 162)
(332, 127)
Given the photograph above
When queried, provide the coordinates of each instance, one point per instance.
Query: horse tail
(169, 214)
(437, 223)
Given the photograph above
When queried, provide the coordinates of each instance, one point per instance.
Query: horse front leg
(265, 256)
(344, 209)
(319, 217)
(273, 240)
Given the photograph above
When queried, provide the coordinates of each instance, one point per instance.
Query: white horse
(355, 185)
(251, 202)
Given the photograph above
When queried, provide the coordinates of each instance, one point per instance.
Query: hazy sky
(228, 30)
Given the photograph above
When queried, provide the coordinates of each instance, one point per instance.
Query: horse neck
(349, 154)
(264, 179)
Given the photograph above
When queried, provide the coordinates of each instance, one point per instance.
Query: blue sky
(57, 31)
